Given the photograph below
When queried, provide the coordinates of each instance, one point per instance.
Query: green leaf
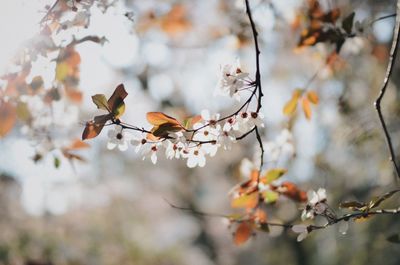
(347, 23)
(270, 196)
(101, 102)
(273, 174)
(23, 112)
(245, 201)
(57, 162)
(164, 129)
(62, 70)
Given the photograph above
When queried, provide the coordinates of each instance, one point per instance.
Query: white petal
(302, 236)
(154, 157)
(111, 145)
(299, 228)
(123, 146)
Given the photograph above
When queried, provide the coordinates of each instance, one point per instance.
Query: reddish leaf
(243, 233)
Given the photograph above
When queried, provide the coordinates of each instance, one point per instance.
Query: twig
(389, 70)
(256, 46)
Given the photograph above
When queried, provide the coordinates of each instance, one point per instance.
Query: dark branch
(389, 71)
(256, 46)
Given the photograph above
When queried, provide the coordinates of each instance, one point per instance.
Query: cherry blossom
(195, 157)
(117, 138)
(232, 79)
(316, 204)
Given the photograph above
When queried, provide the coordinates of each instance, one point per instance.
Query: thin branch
(389, 71)
(256, 46)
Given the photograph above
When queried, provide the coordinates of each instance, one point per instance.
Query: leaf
(306, 108)
(243, 233)
(290, 190)
(245, 201)
(93, 128)
(347, 23)
(77, 144)
(164, 129)
(189, 122)
(273, 174)
(159, 118)
(62, 70)
(101, 102)
(270, 196)
(57, 162)
(116, 101)
(313, 97)
(353, 205)
(291, 105)
(23, 112)
(8, 116)
(378, 200)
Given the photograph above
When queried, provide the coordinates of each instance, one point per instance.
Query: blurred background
(63, 204)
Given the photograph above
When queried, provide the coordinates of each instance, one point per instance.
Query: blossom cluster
(206, 137)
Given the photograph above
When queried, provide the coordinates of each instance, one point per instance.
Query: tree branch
(389, 71)
(256, 46)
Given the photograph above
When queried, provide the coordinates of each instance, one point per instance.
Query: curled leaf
(159, 118)
(93, 128)
(116, 101)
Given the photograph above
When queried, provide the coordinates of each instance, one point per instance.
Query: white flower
(195, 157)
(316, 204)
(151, 152)
(226, 139)
(210, 119)
(362, 27)
(117, 137)
(174, 149)
(302, 230)
(232, 79)
(247, 120)
(139, 143)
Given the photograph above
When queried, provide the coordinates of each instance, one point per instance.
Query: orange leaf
(312, 97)
(77, 144)
(8, 116)
(243, 233)
(290, 190)
(306, 108)
(248, 201)
(159, 118)
(291, 105)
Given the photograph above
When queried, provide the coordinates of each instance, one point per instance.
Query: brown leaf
(243, 233)
(93, 128)
(116, 101)
(8, 116)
